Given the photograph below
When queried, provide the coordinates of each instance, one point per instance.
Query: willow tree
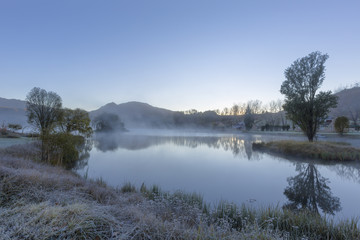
(304, 106)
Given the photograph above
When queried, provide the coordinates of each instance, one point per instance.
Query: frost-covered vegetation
(39, 201)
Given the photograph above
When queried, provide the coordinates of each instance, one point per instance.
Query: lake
(224, 167)
(7, 142)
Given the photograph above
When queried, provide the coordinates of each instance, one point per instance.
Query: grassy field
(333, 151)
(38, 201)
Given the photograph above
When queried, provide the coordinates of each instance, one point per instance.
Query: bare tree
(43, 109)
(225, 111)
(242, 108)
(255, 106)
(235, 109)
(272, 106)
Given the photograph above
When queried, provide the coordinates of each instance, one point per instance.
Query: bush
(341, 123)
(64, 149)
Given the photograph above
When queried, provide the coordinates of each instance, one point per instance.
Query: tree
(107, 122)
(303, 106)
(43, 109)
(341, 123)
(225, 111)
(14, 126)
(235, 109)
(249, 118)
(255, 106)
(56, 126)
(77, 120)
(242, 108)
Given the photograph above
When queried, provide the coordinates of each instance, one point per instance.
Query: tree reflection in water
(309, 190)
(84, 154)
(349, 171)
(239, 146)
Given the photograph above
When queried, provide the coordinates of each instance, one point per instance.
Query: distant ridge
(12, 111)
(12, 103)
(349, 100)
(138, 114)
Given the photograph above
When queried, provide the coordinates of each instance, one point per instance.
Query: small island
(333, 151)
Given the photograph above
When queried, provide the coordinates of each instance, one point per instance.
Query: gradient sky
(175, 54)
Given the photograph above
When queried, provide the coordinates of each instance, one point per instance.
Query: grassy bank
(333, 151)
(38, 201)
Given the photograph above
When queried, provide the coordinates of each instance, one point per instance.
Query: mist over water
(222, 166)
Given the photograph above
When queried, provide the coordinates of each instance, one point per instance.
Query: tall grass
(270, 221)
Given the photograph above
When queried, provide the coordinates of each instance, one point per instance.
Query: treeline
(242, 115)
(256, 106)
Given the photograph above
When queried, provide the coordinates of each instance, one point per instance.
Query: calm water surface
(224, 167)
(7, 142)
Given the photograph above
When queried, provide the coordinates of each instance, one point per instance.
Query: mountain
(138, 115)
(12, 111)
(12, 103)
(348, 103)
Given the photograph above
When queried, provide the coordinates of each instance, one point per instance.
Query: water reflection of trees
(237, 145)
(84, 154)
(350, 171)
(309, 190)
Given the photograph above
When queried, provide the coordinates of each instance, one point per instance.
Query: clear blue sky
(175, 54)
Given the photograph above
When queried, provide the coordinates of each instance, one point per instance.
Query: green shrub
(341, 123)
(64, 149)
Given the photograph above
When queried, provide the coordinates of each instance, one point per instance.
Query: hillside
(138, 115)
(349, 103)
(12, 111)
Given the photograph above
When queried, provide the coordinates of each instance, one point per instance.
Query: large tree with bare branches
(43, 109)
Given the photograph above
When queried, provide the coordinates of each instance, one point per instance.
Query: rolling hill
(12, 111)
(138, 115)
(348, 104)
